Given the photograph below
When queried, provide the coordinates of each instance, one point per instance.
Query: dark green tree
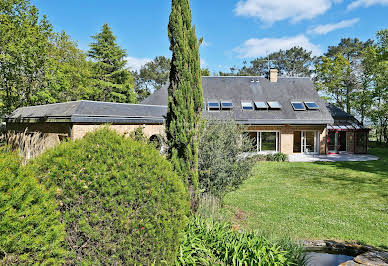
(112, 81)
(185, 99)
(152, 76)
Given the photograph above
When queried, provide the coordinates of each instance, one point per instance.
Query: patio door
(333, 141)
(309, 142)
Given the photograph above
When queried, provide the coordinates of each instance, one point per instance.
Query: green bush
(120, 200)
(277, 157)
(30, 228)
(221, 166)
(207, 242)
(274, 157)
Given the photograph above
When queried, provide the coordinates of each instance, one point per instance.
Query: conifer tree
(112, 81)
(184, 96)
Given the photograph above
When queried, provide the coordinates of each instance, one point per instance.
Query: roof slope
(91, 111)
(237, 89)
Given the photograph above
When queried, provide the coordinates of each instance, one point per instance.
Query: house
(280, 114)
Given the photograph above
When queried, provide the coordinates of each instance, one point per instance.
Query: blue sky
(233, 30)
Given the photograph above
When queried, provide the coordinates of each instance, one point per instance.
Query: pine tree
(184, 96)
(112, 81)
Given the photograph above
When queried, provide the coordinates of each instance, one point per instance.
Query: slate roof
(337, 113)
(237, 89)
(91, 112)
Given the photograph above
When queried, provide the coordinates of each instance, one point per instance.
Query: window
(261, 105)
(247, 105)
(298, 106)
(311, 105)
(213, 105)
(226, 105)
(264, 141)
(274, 105)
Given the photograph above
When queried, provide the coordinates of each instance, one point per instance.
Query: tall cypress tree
(112, 81)
(184, 96)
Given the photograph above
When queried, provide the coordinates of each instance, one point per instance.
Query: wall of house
(80, 130)
(44, 127)
(287, 135)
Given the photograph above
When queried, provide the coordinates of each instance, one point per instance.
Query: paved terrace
(332, 158)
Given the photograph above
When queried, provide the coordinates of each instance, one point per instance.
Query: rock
(349, 263)
(373, 258)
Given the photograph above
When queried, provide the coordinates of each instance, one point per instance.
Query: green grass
(340, 201)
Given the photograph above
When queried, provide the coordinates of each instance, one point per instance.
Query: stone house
(280, 114)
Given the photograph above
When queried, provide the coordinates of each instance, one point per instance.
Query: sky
(234, 31)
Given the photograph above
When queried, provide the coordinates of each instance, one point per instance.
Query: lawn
(340, 201)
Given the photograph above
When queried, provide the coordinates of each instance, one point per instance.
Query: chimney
(273, 75)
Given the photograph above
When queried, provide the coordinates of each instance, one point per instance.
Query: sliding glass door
(306, 142)
(264, 141)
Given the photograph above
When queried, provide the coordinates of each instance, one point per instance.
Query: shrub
(120, 200)
(30, 228)
(207, 242)
(277, 157)
(221, 167)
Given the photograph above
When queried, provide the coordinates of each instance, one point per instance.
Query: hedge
(30, 229)
(119, 199)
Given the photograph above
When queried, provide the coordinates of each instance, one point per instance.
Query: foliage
(207, 242)
(152, 76)
(112, 82)
(325, 200)
(294, 62)
(274, 157)
(184, 96)
(37, 65)
(30, 228)
(120, 200)
(221, 168)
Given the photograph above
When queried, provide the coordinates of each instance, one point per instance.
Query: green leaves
(207, 242)
(112, 82)
(184, 96)
(30, 228)
(120, 200)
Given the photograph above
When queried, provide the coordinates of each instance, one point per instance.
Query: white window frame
(316, 141)
(258, 140)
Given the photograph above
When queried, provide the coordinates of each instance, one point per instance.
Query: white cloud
(366, 3)
(277, 10)
(136, 63)
(203, 63)
(324, 29)
(261, 47)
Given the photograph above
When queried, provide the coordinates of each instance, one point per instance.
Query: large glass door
(309, 142)
(333, 142)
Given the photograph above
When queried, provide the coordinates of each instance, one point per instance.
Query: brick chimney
(273, 75)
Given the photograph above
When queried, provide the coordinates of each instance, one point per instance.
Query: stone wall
(80, 130)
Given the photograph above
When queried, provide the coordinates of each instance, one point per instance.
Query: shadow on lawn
(359, 183)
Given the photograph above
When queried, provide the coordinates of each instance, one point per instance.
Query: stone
(349, 263)
(373, 258)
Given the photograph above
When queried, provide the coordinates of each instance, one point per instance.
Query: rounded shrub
(120, 200)
(30, 227)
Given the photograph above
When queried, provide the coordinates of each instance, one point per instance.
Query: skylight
(261, 105)
(274, 105)
(213, 105)
(247, 105)
(226, 105)
(311, 105)
(298, 106)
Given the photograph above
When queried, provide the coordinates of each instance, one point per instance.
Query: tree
(111, 80)
(294, 62)
(152, 76)
(24, 41)
(331, 76)
(68, 71)
(185, 99)
(351, 50)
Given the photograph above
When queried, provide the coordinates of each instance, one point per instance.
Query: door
(333, 142)
(342, 141)
(309, 142)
